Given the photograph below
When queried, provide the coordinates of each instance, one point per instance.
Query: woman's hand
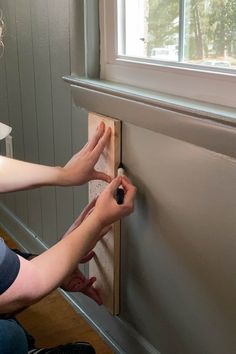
(77, 282)
(84, 214)
(106, 210)
(48, 271)
(80, 168)
(19, 175)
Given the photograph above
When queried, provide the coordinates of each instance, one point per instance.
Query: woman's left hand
(77, 282)
(80, 169)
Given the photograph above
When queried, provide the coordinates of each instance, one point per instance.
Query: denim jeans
(13, 338)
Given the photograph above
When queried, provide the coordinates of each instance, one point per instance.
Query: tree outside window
(190, 31)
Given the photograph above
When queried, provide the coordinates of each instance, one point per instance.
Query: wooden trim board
(106, 264)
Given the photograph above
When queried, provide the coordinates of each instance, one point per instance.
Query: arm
(77, 281)
(18, 175)
(46, 272)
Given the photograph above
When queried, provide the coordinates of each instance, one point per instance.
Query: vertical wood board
(106, 264)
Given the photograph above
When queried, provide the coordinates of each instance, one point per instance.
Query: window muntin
(198, 32)
(205, 84)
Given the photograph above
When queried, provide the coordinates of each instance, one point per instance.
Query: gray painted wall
(178, 287)
(180, 246)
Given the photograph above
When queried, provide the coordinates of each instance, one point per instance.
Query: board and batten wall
(34, 100)
(178, 287)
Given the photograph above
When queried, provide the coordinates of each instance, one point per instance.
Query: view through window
(200, 32)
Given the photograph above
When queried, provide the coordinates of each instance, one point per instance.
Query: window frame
(178, 79)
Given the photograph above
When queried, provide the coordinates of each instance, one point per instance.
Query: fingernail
(100, 125)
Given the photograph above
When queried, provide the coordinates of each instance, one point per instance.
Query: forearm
(62, 259)
(41, 275)
(18, 175)
(47, 271)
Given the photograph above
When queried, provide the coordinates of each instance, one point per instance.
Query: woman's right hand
(106, 210)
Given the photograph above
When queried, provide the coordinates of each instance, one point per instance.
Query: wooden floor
(53, 321)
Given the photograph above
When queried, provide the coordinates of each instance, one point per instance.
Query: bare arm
(46, 272)
(18, 175)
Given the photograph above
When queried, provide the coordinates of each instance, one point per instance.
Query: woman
(24, 282)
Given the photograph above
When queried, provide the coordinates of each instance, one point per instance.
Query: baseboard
(25, 238)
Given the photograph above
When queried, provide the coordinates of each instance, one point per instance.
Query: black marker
(120, 193)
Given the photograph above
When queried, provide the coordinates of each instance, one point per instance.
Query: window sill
(208, 125)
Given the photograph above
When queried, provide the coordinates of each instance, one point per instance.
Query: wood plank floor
(53, 321)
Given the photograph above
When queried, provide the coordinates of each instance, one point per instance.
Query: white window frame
(178, 79)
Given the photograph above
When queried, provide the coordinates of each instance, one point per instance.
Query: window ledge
(226, 115)
(207, 125)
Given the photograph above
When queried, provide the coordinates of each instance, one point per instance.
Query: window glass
(199, 32)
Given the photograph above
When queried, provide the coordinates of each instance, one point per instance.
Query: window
(198, 32)
(180, 47)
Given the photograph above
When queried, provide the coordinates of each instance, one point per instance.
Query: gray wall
(178, 287)
(180, 249)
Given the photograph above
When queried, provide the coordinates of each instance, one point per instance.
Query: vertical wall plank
(44, 109)
(4, 114)
(27, 80)
(77, 37)
(8, 199)
(3, 111)
(79, 116)
(60, 65)
(19, 200)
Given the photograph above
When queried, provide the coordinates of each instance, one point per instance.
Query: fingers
(88, 257)
(90, 282)
(96, 137)
(126, 179)
(116, 182)
(103, 141)
(130, 190)
(101, 176)
(94, 295)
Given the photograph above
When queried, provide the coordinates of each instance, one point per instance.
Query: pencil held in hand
(120, 193)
